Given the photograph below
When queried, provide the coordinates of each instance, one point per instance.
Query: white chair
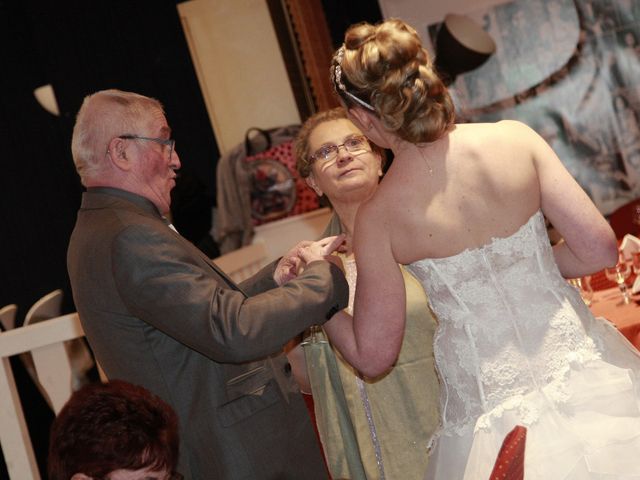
(14, 435)
(8, 319)
(240, 264)
(8, 316)
(45, 308)
(60, 368)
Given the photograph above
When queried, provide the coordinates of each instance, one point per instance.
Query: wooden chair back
(59, 368)
(14, 435)
(8, 316)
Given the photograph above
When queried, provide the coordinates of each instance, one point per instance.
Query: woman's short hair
(113, 426)
(386, 69)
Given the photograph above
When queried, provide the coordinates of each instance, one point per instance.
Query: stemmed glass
(583, 285)
(619, 275)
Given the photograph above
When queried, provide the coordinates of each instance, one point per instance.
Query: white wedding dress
(516, 345)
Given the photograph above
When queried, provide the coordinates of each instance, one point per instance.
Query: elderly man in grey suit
(158, 313)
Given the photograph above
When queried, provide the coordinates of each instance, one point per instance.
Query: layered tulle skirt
(586, 426)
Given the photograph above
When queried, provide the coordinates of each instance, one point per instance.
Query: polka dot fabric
(306, 199)
(510, 462)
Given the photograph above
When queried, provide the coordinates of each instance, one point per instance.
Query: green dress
(377, 428)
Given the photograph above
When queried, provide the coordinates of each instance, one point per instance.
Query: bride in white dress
(462, 206)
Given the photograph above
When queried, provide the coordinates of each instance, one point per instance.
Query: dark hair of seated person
(108, 427)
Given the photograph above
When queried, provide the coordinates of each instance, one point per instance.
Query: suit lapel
(197, 252)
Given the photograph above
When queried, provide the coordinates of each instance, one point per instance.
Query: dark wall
(81, 47)
(341, 15)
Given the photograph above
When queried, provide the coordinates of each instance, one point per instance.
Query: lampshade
(461, 46)
(47, 99)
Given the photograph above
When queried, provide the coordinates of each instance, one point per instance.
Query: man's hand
(292, 263)
(289, 264)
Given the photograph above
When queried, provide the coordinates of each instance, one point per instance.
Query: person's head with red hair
(114, 431)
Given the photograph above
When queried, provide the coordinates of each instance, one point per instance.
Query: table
(607, 303)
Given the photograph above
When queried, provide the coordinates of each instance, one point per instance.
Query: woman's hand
(322, 250)
(305, 252)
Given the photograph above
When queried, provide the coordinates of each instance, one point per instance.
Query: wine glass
(583, 285)
(586, 291)
(619, 274)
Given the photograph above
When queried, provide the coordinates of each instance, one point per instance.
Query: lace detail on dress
(507, 327)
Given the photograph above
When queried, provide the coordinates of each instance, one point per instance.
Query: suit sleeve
(261, 281)
(162, 284)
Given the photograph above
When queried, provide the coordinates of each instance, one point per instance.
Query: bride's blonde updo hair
(385, 68)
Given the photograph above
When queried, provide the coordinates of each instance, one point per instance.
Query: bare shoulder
(373, 214)
(376, 207)
(505, 130)
(511, 124)
(518, 131)
(510, 138)
(506, 140)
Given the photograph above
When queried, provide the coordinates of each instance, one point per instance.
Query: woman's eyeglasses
(326, 153)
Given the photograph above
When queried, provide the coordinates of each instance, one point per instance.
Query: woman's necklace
(426, 160)
(404, 146)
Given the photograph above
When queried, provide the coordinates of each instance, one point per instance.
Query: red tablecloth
(607, 303)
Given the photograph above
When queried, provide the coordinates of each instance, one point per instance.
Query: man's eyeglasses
(168, 142)
(326, 153)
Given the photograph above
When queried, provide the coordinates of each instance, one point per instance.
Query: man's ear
(117, 153)
(312, 183)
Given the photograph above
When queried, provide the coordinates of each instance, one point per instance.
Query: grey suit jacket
(157, 312)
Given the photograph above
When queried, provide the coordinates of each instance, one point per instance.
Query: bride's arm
(371, 340)
(588, 243)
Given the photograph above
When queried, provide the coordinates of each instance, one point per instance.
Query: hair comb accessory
(336, 76)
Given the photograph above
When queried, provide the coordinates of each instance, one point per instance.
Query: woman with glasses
(367, 425)
(463, 207)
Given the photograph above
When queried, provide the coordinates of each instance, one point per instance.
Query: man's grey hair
(104, 115)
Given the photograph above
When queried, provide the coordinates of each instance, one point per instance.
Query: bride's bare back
(479, 182)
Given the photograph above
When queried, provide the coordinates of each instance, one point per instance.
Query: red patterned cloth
(277, 191)
(599, 281)
(510, 462)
